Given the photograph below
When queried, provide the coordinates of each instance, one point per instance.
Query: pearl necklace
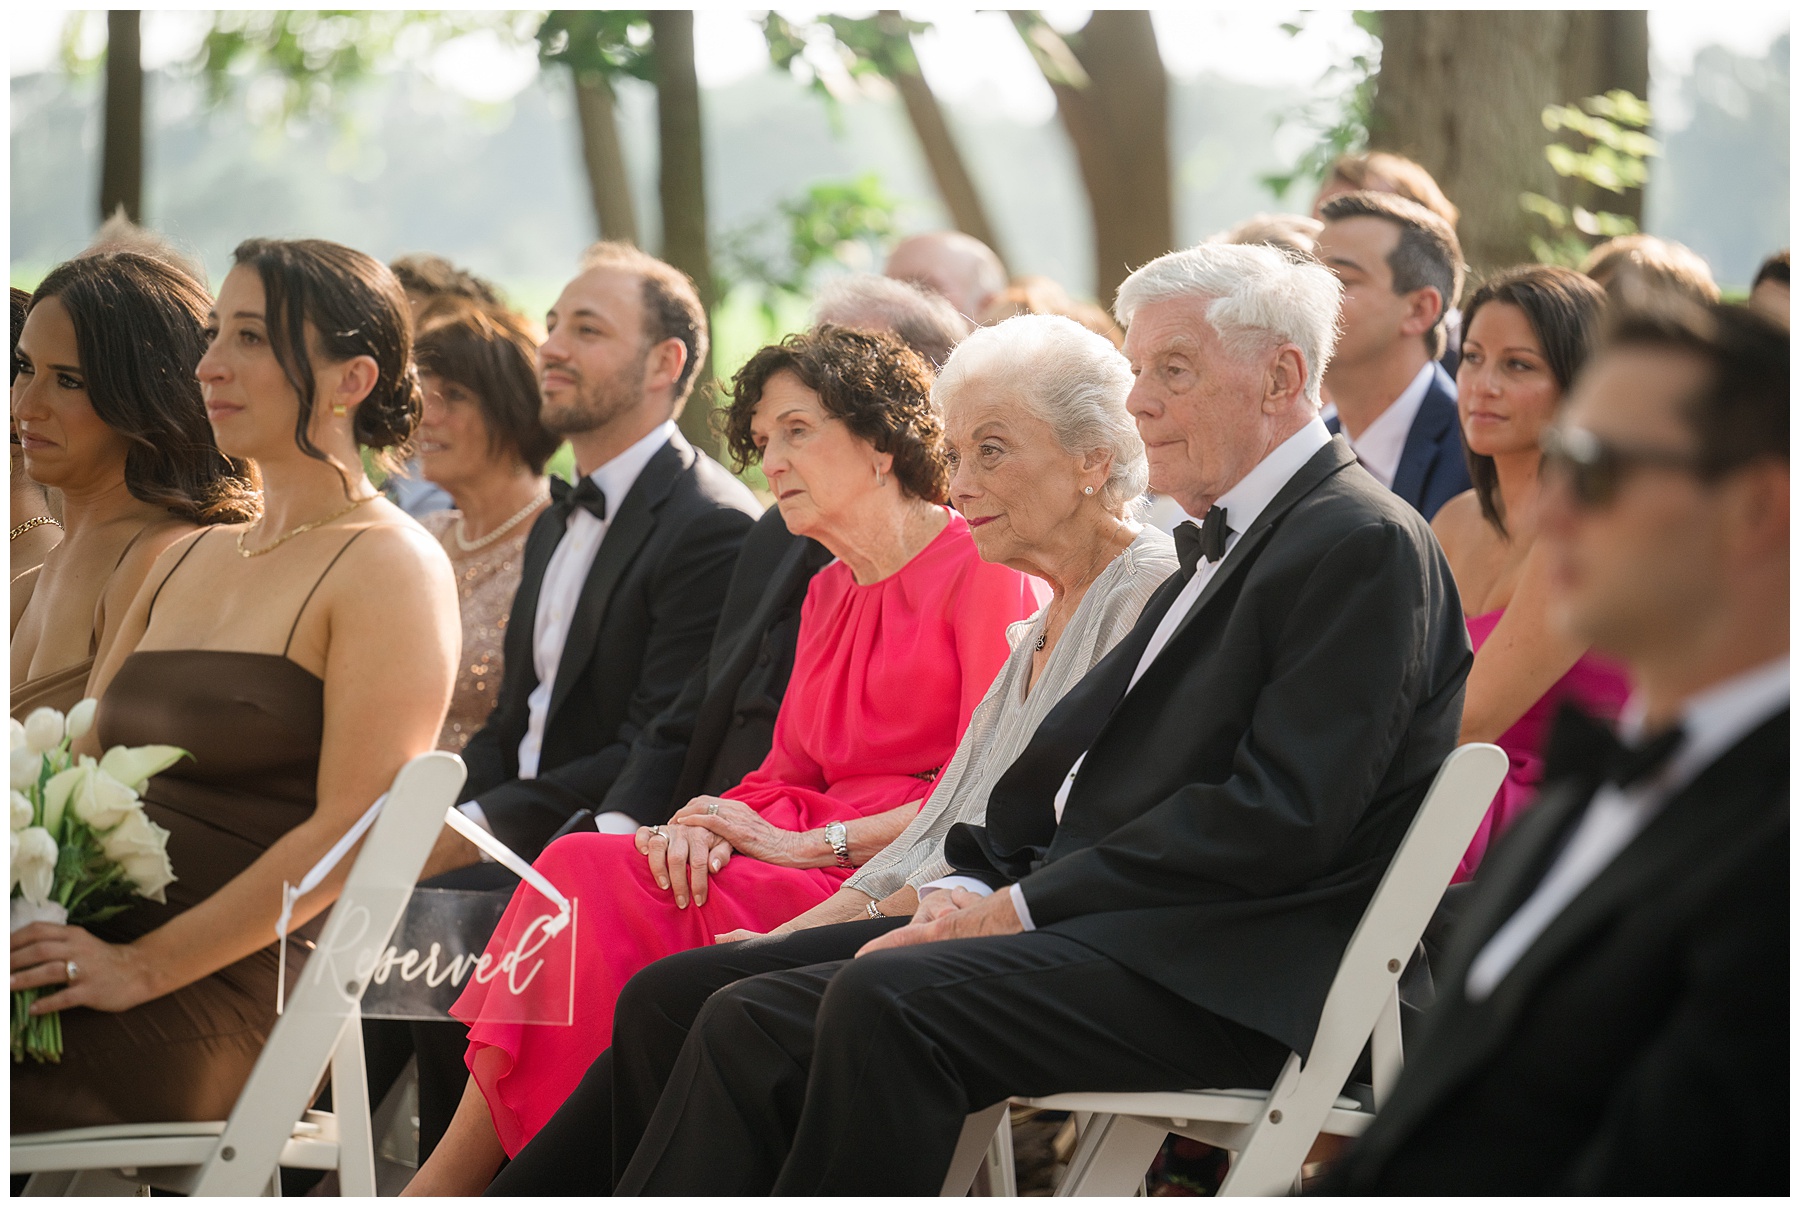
(290, 535)
(468, 546)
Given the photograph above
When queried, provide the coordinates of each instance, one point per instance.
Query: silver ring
(712, 808)
(659, 832)
(71, 970)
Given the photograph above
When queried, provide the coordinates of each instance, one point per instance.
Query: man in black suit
(1401, 269)
(625, 573)
(1613, 1016)
(1180, 855)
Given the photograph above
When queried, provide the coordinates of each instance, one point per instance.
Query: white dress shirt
(560, 593)
(1712, 722)
(1383, 442)
(1244, 503)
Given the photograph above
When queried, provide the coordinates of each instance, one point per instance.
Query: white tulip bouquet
(82, 847)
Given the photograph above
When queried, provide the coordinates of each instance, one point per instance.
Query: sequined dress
(486, 581)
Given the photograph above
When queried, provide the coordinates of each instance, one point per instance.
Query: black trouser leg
(897, 1048)
(616, 1098)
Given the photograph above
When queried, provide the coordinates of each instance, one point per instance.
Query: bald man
(960, 267)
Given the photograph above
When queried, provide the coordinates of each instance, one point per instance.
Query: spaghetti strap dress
(63, 689)
(253, 723)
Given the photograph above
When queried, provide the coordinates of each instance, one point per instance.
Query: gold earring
(339, 409)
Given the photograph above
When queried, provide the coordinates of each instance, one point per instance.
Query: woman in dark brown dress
(302, 659)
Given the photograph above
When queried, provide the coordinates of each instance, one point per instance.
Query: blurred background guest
(109, 414)
(925, 321)
(1529, 332)
(1295, 234)
(899, 640)
(430, 280)
(480, 441)
(1401, 269)
(35, 528)
(1769, 292)
(301, 659)
(1634, 268)
(959, 267)
(1385, 172)
(1041, 295)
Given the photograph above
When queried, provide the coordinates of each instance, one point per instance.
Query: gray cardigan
(1007, 716)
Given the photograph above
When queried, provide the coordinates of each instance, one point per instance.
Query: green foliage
(599, 44)
(841, 224)
(1615, 158)
(865, 47)
(1341, 124)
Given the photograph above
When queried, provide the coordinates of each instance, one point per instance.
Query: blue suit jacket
(1432, 468)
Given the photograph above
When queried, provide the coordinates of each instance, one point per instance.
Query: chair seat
(1347, 1116)
(312, 1145)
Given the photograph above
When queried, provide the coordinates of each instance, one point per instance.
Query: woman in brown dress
(107, 412)
(481, 441)
(302, 659)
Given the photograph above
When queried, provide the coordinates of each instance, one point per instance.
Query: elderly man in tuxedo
(1169, 873)
(1613, 1016)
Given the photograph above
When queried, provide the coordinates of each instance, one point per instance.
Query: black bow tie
(1586, 748)
(564, 499)
(1204, 541)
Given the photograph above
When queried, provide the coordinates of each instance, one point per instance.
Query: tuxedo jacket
(1640, 1045)
(643, 622)
(720, 728)
(1238, 806)
(1433, 468)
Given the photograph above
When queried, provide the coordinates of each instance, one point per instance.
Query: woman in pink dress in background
(899, 640)
(1526, 333)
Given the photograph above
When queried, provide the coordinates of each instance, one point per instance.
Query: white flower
(34, 864)
(24, 913)
(134, 765)
(140, 846)
(18, 733)
(99, 800)
(25, 768)
(21, 811)
(59, 789)
(43, 730)
(81, 718)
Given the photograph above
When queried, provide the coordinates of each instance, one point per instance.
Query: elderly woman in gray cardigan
(1047, 468)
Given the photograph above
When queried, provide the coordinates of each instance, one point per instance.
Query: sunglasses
(1595, 469)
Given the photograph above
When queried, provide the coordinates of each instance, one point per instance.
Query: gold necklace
(482, 542)
(33, 522)
(308, 527)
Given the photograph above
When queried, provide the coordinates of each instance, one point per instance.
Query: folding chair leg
(1114, 1153)
(1003, 1181)
(1385, 1051)
(350, 1097)
(52, 1184)
(971, 1149)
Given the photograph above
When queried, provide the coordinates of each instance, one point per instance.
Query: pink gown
(1596, 685)
(885, 677)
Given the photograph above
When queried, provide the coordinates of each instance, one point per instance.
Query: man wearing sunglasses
(1613, 1017)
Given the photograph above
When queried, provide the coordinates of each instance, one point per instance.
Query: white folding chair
(270, 1126)
(1270, 1131)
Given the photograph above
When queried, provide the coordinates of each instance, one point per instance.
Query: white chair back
(322, 1021)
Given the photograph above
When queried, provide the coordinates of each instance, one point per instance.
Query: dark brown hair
(672, 308)
(356, 308)
(1740, 413)
(1775, 268)
(21, 305)
(871, 380)
(491, 353)
(1565, 310)
(140, 329)
(1427, 256)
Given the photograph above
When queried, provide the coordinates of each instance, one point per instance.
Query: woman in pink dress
(1526, 333)
(899, 639)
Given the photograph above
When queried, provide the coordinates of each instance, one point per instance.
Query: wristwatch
(839, 837)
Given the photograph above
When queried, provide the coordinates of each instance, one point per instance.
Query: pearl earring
(1087, 490)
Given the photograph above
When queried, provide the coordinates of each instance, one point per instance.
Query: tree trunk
(683, 189)
(122, 147)
(604, 156)
(954, 184)
(1464, 92)
(1114, 103)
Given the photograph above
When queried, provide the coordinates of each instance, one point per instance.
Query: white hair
(924, 321)
(1260, 298)
(1071, 378)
